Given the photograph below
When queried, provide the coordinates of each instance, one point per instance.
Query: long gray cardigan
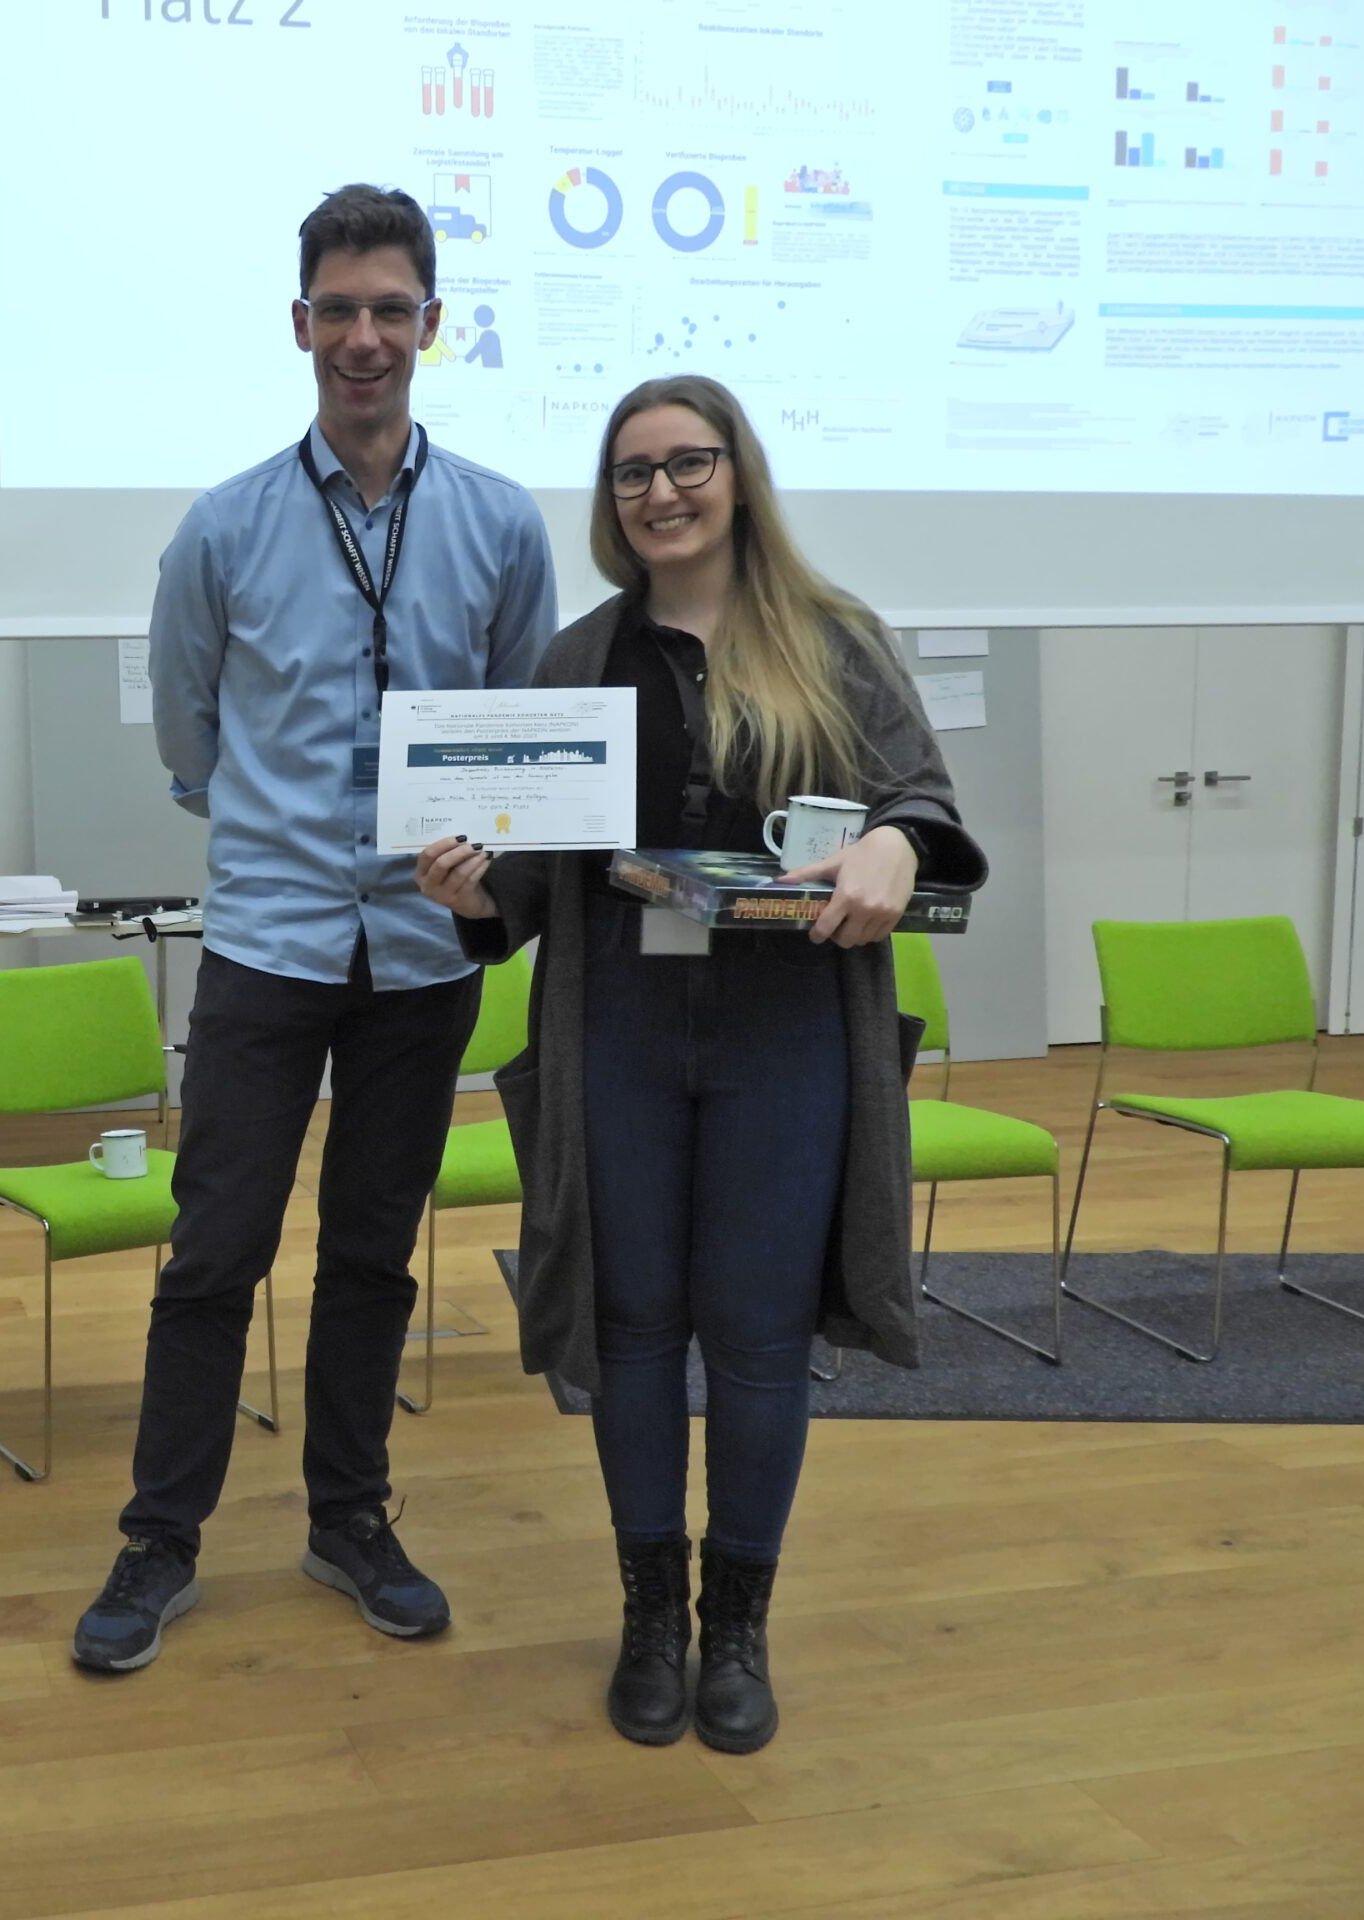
(867, 1297)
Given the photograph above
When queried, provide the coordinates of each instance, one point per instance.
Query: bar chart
(1134, 151)
(1188, 93)
(1317, 88)
(1145, 150)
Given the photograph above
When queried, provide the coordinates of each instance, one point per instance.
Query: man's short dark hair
(359, 218)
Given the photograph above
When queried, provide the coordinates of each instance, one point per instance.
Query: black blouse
(639, 658)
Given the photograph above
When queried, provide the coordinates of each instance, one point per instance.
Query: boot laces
(736, 1611)
(653, 1607)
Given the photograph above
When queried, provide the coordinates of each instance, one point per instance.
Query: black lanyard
(350, 546)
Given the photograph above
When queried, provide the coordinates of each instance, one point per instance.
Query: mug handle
(97, 1155)
(774, 846)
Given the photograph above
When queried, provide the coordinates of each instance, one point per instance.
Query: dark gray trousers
(258, 1044)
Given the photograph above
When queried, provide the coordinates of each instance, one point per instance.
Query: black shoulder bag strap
(699, 773)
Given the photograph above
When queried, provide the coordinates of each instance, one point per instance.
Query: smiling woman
(685, 511)
(713, 1140)
(674, 493)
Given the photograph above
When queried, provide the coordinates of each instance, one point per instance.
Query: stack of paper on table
(31, 901)
(187, 920)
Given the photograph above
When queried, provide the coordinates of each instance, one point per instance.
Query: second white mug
(816, 826)
(121, 1153)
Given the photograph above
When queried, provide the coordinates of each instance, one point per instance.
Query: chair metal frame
(1187, 1352)
(484, 1064)
(405, 1400)
(1052, 1354)
(24, 1469)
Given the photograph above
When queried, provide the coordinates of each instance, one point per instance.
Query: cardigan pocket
(519, 1085)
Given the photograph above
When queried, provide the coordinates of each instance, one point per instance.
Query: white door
(1259, 709)
(1268, 704)
(1117, 731)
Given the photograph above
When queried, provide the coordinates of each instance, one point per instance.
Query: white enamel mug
(815, 827)
(121, 1153)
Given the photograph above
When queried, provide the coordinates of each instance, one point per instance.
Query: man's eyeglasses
(631, 479)
(393, 314)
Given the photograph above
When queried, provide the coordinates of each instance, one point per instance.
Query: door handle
(1181, 782)
(1212, 778)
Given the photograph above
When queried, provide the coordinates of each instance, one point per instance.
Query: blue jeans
(717, 1118)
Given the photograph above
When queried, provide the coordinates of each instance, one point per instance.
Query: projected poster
(1049, 245)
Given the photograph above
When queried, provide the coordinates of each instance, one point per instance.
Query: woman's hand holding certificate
(450, 872)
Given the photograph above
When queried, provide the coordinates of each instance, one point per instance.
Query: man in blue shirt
(289, 598)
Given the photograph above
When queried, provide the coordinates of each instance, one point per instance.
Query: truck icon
(461, 207)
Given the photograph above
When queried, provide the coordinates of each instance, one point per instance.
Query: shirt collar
(329, 466)
(636, 624)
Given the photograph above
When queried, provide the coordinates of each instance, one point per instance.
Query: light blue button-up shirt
(263, 686)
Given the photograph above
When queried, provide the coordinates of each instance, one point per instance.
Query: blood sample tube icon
(476, 91)
(440, 89)
(457, 88)
(487, 93)
(427, 80)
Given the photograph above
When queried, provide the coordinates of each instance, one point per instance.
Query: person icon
(487, 345)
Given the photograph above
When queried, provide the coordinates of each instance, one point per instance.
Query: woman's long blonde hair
(774, 698)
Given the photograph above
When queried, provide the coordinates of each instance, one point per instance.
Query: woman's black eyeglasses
(631, 479)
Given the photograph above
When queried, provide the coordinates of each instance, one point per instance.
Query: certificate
(549, 769)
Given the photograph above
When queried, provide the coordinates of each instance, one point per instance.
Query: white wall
(16, 786)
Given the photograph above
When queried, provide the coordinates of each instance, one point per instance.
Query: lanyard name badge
(355, 559)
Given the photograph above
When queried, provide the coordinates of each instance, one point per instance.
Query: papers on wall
(31, 901)
(952, 643)
(134, 683)
(952, 700)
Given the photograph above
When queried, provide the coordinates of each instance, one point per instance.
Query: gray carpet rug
(1282, 1358)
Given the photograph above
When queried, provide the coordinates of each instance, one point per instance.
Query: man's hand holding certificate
(551, 769)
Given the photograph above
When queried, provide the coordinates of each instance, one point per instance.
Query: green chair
(478, 1168)
(1214, 985)
(87, 1036)
(950, 1142)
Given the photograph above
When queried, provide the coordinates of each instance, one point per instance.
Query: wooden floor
(1026, 1672)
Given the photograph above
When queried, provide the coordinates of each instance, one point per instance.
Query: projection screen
(1045, 309)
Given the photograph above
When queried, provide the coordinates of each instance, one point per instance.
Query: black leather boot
(735, 1710)
(647, 1698)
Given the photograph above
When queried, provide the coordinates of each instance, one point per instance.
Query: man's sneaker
(362, 1558)
(152, 1582)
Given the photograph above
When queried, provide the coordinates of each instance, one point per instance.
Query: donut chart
(663, 226)
(558, 207)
